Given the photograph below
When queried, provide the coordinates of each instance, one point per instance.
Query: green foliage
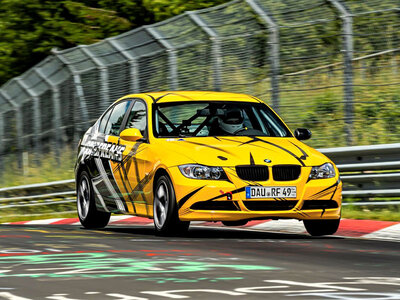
(50, 169)
(31, 28)
(383, 213)
(163, 9)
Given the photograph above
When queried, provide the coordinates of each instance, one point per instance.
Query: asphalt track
(119, 262)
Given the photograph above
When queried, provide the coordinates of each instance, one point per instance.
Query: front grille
(252, 172)
(319, 204)
(215, 205)
(286, 172)
(270, 205)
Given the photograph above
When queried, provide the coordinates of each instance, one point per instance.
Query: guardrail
(367, 172)
(33, 195)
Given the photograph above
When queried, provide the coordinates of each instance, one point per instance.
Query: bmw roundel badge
(267, 160)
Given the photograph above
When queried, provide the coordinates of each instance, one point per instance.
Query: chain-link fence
(329, 65)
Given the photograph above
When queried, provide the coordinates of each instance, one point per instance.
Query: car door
(132, 174)
(106, 153)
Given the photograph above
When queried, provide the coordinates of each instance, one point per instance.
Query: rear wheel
(235, 223)
(165, 209)
(88, 214)
(321, 227)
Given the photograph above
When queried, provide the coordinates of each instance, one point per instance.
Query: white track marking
(291, 226)
(44, 222)
(9, 296)
(388, 233)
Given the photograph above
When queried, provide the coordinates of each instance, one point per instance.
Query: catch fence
(328, 65)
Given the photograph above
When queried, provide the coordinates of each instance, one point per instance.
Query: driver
(230, 123)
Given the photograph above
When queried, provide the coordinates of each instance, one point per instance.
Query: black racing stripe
(208, 146)
(239, 142)
(139, 181)
(252, 160)
(247, 182)
(125, 165)
(255, 139)
(320, 195)
(152, 98)
(323, 211)
(258, 100)
(159, 98)
(127, 157)
(333, 194)
(124, 182)
(110, 176)
(177, 94)
(324, 190)
(303, 213)
(305, 155)
(138, 189)
(187, 197)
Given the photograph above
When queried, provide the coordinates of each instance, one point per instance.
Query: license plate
(254, 192)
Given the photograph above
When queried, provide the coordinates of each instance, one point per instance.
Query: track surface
(68, 262)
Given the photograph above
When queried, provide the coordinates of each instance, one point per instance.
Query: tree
(31, 28)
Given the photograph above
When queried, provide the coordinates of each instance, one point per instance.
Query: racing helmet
(231, 121)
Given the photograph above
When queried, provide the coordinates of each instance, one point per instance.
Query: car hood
(232, 151)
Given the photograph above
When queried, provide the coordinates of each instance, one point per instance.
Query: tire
(165, 209)
(88, 214)
(321, 227)
(235, 223)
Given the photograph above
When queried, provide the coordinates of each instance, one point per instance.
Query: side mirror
(302, 134)
(131, 134)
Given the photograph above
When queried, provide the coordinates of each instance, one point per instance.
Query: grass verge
(386, 213)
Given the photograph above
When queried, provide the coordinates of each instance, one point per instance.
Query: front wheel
(321, 227)
(88, 214)
(165, 209)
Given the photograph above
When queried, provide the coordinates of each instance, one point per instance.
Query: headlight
(321, 172)
(203, 172)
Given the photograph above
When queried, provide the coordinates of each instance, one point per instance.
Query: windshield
(200, 119)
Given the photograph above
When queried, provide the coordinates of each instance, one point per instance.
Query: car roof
(181, 96)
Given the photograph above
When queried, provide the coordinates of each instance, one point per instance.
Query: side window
(104, 120)
(137, 117)
(116, 118)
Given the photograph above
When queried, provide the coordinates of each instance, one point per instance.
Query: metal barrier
(37, 195)
(318, 62)
(367, 172)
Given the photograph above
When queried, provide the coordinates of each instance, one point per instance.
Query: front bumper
(192, 194)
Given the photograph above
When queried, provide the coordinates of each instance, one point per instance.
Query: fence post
(216, 47)
(132, 61)
(273, 41)
(19, 128)
(172, 60)
(78, 90)
(37, 125)
(347, 28)
(105, 97)
(57, 124)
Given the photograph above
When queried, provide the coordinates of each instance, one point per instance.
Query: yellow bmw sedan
(178, 157)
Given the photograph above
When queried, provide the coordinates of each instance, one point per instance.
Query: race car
(177, 157)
